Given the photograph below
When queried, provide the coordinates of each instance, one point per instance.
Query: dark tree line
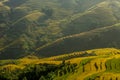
(40, 72)
(47, 71)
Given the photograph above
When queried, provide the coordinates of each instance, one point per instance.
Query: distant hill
(98, 38)
(26, 25)
(100, 15)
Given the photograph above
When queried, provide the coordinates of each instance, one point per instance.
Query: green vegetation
(39, 72)
(98, 38)
(106, 62)
(29, 26)
(112, 65)
(59, 39)
(112, 68)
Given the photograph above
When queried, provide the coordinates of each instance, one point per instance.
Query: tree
(48, 11)
(24, 78)
(68, 3)
(96, 66)
(42, 78)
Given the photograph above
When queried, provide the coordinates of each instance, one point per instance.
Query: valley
(59, 39)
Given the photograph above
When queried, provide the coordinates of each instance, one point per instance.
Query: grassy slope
(88, 66)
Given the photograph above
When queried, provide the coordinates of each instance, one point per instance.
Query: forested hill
(98, 38)
(27, 25)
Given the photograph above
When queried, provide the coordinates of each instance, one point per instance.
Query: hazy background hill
(98, 38)
(27, 25)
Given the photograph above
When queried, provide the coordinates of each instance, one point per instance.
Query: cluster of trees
(40, 72)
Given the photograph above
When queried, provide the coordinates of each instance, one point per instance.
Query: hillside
(98, 38)
(59, 40)
(26, 25)
(104, 62)
(103, 14)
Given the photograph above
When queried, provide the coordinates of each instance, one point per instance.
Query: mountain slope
(35, 33)
(103, 14)
(31, 24)
(98, 38)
